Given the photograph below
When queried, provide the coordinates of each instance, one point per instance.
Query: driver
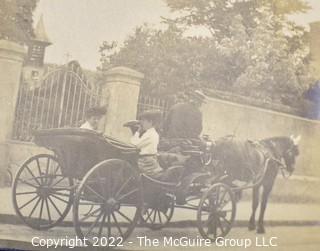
(184, 119)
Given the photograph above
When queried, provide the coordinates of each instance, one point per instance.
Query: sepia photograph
(160, 125)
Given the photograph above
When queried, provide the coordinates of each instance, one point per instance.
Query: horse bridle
(283, 167)
(282, 164)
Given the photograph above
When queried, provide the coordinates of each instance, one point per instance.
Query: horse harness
(263, 148)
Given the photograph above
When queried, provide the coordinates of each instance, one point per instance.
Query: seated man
(147, 143)
(93, 116)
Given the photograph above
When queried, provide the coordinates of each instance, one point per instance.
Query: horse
(258, 162)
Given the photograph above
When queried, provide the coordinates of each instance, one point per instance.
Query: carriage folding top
(80, 149)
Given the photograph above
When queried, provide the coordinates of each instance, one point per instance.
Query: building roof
(40, 32)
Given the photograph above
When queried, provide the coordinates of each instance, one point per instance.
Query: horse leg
(265, 196)
(255, 203)
(267, 184)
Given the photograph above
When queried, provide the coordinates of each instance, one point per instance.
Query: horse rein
(283, 168)
(280, 162)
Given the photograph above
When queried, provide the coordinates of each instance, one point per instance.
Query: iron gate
(60, 100)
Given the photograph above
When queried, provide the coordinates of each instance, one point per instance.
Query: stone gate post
(11, 59)
(122, 87)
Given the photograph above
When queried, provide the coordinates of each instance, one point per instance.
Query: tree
(251, 50)
(16, 19)
(217, 15)
(272, 50)
(169, 61)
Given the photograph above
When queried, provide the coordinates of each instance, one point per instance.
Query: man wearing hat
(93, 116)
(184, 119)
(148, 143)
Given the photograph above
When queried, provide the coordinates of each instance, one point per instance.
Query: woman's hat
(95, 111)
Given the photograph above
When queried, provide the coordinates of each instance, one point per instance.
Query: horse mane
(279, 144)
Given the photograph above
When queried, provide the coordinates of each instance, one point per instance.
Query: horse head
(284, 149)
(292, 153)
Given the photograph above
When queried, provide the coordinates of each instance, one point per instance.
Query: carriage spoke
(149, 214)
(47, 170)
(41, 208)
(117, 224)
(124, 216)
(98, 195)
(109, 225)
(220, 226)
(34, 177)
(61, 194)
(103, 186)
(54, 205)
(39, 169)
(101, 224)
(48, 211)
(57, 182)
(34, 208)
(214, 228)
(94, 223)
(217, 199)
(229, 223)
(159, 215)
(128, 194)
(122, 187)
(56, 170)
(154, 216)
(29, 192)
(58, 198)
(27, 183)
(27, 203)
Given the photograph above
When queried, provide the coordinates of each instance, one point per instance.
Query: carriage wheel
(159, 216)
(42, 196)
(108, 202)
(216, 212)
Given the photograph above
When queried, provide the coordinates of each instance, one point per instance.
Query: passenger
(93, 115)
(148, 143)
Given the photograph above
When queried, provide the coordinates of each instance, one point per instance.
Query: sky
(76, 28)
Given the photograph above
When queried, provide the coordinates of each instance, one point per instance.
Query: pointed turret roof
(40, 32)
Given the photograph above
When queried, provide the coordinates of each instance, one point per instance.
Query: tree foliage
(169, 61)
(252, 49)
(16, 19)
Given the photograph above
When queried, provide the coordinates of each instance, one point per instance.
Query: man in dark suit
(184, 119)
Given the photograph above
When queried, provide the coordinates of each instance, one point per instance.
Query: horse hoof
(251, 227)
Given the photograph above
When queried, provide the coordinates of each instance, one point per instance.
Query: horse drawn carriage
(98, 177)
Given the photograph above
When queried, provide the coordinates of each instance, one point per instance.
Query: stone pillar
(11, 59)
(122, 88)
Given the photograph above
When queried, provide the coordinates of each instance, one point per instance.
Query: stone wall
(245, 122)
